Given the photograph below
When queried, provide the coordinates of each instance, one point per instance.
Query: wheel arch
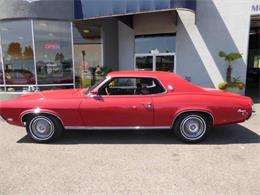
(205, 112)
(34, 112)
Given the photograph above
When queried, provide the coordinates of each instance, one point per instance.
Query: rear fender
(193, 109)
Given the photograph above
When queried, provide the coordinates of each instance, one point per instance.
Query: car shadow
(233, 134)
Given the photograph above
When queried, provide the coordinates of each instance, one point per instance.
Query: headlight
(2, 119)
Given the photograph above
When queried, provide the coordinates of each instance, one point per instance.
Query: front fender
(39, 111)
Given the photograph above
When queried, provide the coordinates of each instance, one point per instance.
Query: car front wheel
(43, 128)
(192, 127)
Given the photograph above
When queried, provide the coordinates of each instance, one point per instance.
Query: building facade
(45, 44)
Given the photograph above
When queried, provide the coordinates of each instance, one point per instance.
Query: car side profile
(128, 100)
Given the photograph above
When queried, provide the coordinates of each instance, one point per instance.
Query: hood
(61, 94)
(54, 94)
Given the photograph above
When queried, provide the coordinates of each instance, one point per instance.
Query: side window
(149, 86)
(123, 83)
(131, 86)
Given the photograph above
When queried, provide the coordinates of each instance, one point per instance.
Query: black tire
(192, 127)
(43, 128)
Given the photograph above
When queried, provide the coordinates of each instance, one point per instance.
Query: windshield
(95, 85)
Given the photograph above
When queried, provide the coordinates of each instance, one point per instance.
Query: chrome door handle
(149, 105)
(134, 107)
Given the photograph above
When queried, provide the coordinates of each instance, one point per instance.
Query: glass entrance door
(253, 67)
(155, 62)
(144, 62)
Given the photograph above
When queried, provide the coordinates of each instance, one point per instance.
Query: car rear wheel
(44, 128)
(192, 127)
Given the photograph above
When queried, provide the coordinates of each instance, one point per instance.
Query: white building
(172, 35)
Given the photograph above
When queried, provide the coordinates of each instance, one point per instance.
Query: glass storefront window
(53, 48)
(161, 43)
(15, 88)
(43, 88)
(159, 62)
(165, 63)
(17, 52)
(253, 67)
(1, 68)
(144, 62)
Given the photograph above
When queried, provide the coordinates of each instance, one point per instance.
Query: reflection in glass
(253, 67)
(165, 63)
(144, 62)
(1, 69)
(15, 88)
(44, 88)
(17, 52)
(53, 52)
(162, 43)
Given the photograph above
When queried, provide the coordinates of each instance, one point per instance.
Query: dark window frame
(164, 90)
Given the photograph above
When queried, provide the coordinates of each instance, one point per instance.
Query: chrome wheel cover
(193, 127)
(41, 128)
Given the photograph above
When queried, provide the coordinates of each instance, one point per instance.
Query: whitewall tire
(43, 128)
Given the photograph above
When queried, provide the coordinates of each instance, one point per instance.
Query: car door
(128, 110)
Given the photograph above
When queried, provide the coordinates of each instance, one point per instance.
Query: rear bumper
(253, 114)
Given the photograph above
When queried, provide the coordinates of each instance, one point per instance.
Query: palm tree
(229, 58)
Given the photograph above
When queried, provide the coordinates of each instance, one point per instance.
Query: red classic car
(128, 100)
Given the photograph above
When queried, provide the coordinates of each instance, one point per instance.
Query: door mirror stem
(94, 94)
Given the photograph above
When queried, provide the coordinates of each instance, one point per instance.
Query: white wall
(126, 46)
(143, 24)
(220, 25)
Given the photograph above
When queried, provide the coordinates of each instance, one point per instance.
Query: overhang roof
(89, 9)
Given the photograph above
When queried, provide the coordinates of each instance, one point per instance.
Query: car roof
(141, 73)
(166, 78)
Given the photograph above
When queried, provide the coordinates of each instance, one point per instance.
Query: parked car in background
(128, 100)
(19, 77)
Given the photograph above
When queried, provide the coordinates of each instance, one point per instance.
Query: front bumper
(2, 119)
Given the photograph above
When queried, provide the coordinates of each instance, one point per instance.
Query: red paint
(51, 46)
(76, 108)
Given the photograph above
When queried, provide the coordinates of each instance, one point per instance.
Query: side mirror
(94, 94)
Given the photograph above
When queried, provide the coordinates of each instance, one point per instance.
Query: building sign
(255, 8)
(51, 46)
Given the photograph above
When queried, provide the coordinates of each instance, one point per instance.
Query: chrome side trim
(36, 112)
(115, 127)
(213, 119)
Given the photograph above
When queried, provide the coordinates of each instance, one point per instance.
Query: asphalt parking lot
(132, 162)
